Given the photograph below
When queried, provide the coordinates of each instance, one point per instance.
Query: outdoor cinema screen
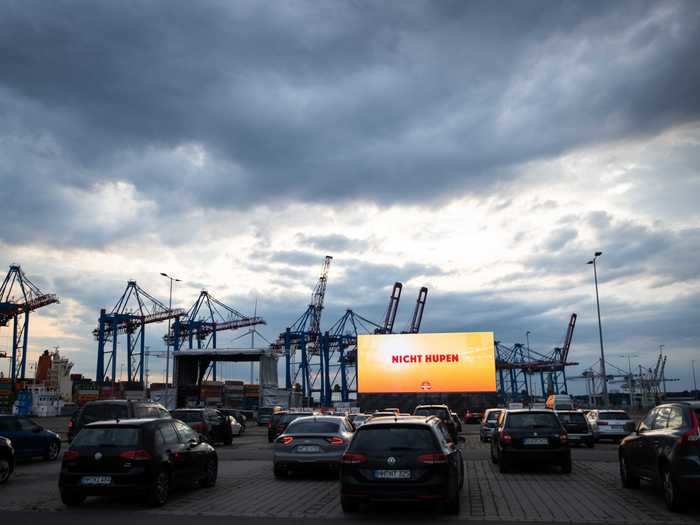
(424, 363)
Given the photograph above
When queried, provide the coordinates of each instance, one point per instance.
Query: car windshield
(187, 415)
(108, 437)
(572, 418)
(493, 416)
(533, 420)
(612, 416)
(104, 412)
(313, 427)
(392, 439)
(439, 412)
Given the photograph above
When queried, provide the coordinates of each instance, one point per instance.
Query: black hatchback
(111, 409)
(665, 449)
(535, 436)
(136, 457)
(402, 459)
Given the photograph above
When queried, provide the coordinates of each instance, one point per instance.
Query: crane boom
(418, 311)
(391, 310)
(318, 296)
(568, 338)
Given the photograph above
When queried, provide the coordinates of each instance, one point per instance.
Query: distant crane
(390, 316)
(414, 328)
(18, 297)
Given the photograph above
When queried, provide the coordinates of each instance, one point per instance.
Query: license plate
(96, 480)
(617, 427)
(392, 474)
(535, 441)
(307, 449)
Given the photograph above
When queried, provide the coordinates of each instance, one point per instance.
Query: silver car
(609, 424)
(313, 442)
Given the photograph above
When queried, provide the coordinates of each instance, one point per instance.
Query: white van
(560, 402)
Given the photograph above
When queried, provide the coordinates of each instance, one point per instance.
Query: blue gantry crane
(203, 321)
(517, 364)
(134, 310)
(18, 297)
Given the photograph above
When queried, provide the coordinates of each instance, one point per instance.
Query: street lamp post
(529, 372)
(606, 400)
(167, 341)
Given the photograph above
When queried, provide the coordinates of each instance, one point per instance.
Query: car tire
(629, 480)
(494, 457)
(566, 465)
(503, 464)
(228, 441)
(5, 470)
(52, 451)
(159, 490)
(211, 474)
(453, 505)
(71, 499)
(349, 505)
(674, 498)
(590, 444)
(280, 473)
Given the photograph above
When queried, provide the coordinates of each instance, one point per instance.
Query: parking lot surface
(247, 489)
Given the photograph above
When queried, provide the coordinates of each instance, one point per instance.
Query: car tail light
(198, 426)
(70, 424)
(335, 440)
(506, 438)
(353, 459)
(432, 459)
(286, 440)
(692, 437)
(269, 425)
(71, 455)
(563, 438)
(135, 455)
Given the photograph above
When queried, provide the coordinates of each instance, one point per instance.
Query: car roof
(125, 422)
(389, 420)
(321, 418)
(577, 411)
(432, 406)
(530, 411)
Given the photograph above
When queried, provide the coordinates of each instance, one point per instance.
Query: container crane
(414, 328)
(391, 310)
(18, 297)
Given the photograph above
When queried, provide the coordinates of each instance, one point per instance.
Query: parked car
(311, 442)
(7, 459)
(488, 423)
(238, 415)
(265, 414)
(111, 409)
(559, 402)
(140, 456)
(406, 459)
(214, 426)
(279, 422)
(456, 421)
(665, 449)
(577, 427)
(30, 439)
(381, 413)
(358, 420)
(535, 436)
(473, 416)
(443, 413)
(609, 424)
(396, 411)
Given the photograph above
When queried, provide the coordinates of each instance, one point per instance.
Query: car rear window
(612, 416)
(532, 420)
(313, 427)
(377, 439)
(106, 412)
(575, 418)
(111, 436)
(493, 416)
(439, 412)
(187, 416)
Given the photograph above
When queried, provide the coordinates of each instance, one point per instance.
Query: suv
(530, 435)
(112, 409)
(441, 411)
(209, 422)
(405, 459)
(665, 448)
(609, 424)
(280, 421)
(576, 426)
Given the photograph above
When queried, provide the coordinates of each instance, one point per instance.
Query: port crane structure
(18, 298)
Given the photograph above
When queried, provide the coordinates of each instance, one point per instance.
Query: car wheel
(494, 458)
(160, 490)
(566, 465)
(672, 495)
(52, 451)
(349, 505)
(280, 473)
(5, 470)
(228, 441)
(629, 480)
(503, 464)
(453, 505)
(590, 444)
(71, 499)
(211, 473)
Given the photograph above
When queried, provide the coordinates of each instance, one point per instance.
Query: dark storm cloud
(322, 102)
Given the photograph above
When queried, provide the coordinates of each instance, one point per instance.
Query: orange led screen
(423, 363)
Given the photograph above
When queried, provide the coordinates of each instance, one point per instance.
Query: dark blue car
(30, 439)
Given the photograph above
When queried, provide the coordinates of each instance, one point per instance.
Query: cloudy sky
(483, 150)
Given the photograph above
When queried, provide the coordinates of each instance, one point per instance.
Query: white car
(609, 424)
(236, 427)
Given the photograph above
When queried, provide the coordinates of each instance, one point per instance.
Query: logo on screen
(425, 385)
